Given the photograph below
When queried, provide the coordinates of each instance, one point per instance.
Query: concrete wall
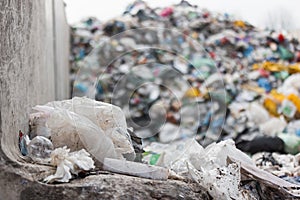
(34, 46)
(61, 46)
(34, 40)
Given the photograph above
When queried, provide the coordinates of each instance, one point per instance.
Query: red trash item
(281, 38)
(264, 73)
(166, 12)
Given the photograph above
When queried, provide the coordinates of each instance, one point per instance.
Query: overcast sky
(257, 12)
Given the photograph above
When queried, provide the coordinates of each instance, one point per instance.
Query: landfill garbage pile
(204, 73)
(82, 36)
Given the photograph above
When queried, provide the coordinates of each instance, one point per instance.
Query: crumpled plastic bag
(216, 154)
(68, 164)
(77, 132)
(98, 127)
(174, 156)
(108, 117)
(209, 167)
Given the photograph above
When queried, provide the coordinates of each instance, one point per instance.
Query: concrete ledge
(115, 186)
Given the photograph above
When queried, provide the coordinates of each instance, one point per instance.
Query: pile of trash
(189, 71)
(172, 74)
(80, 125)
(81, 135)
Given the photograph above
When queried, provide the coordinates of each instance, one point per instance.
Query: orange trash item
(295, 99)
(271, 107)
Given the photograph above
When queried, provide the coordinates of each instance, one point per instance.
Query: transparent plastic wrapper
(175, 155)
(68, 164)
(109, 118)
(77, 132)
(216, 155)
(39, 149)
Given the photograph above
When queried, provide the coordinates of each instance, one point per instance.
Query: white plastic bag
(106, 116)
(209, 167)
(77, 132)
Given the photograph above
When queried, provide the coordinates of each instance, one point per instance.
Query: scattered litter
(135, 169)
(69, 163)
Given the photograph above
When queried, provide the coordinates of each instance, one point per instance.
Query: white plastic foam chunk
(68, 164)
(135, 169)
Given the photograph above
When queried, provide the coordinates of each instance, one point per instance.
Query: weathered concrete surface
(116, 187)
(24, 67)
(61, 44)
(29, 64)
(33, 70)
(27, 77)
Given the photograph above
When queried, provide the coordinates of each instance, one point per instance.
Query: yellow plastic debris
(271, 107)
(253, 88)
(269, 66)
(277, 67)
(295, 68)
(193, 92)
(194, 35)
(240, 23)
(277, 96)
(295, 99)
